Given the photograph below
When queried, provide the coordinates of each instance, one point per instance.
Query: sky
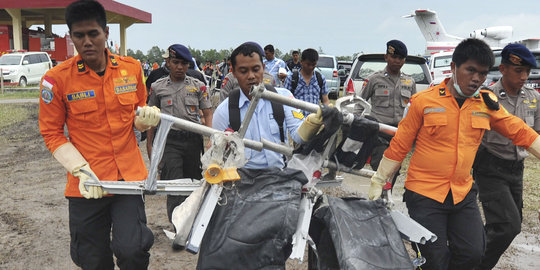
(338, 27)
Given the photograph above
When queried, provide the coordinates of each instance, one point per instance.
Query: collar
(112, 62)
(443, 90)
(243, 99)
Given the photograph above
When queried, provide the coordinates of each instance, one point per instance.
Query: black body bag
(253, 224)
(354, 233)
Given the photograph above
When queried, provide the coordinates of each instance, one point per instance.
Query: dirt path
(34, 224)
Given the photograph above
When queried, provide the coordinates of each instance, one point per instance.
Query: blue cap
(261, 51)
(397, 47)
(180, 52)
(518, 55)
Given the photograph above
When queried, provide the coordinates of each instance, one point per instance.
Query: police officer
(498, 169)
(180, 96)
(389, 91)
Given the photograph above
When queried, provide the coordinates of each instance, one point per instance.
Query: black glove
(332, 120)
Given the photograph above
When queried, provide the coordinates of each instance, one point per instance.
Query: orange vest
(98, 112)
(447, 138)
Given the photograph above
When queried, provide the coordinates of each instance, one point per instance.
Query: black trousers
(460, 235)
(181, 159)
(90, 224)
(500, 184)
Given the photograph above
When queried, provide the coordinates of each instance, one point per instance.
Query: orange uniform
(98, 112)
(447, 138)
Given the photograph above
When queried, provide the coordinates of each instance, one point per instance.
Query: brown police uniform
(498, 171)
(182, 153)
(389, 95)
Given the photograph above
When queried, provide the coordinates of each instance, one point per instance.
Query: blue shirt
(273, 66)
(262, 125)
(311, 92)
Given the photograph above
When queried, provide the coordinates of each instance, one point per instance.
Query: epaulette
(490, 99)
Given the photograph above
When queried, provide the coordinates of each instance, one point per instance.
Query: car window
(415, 71)
(411, 69)
(27, 58)
(34, 59)
(325, 62)
(442, 61)
(368, 68)
(44, 58)
(10, 60)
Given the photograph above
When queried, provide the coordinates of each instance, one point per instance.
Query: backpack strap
(279, 113)
(294, 80)
(234, 111)
(320, 81)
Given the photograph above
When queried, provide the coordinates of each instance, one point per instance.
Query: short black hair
(269, 48)
(310, 55)
(85, 10)
(473, 49)
(295, 52)
(246, 49)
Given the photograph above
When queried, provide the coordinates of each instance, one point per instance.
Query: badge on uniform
(298, 115)
(46, 95)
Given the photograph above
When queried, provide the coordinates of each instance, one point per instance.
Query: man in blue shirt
(307, 84)
(254, 228)
(248, 69)
(272, 64)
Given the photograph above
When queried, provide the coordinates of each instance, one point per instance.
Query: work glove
(331, 122)
(387, 169)
(535, 147)
(73, 161)
(310, 126)
(93, 192)
(148, 117)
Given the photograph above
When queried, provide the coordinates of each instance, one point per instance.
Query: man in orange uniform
(447, 123)
(95, 95)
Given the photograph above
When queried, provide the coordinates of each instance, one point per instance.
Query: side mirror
(25, 62)
(341, 72)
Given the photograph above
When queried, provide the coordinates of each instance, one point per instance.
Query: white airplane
(438, 40)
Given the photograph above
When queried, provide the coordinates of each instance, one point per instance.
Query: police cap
(518, 55)
(261, 51)
(396, 47)
(180, 52)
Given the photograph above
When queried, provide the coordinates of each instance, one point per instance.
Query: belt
(506, 163)
(181, 134)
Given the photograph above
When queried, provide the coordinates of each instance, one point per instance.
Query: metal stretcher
(347, 105)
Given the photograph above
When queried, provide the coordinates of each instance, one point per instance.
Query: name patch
(481, 114)
(81, 95)
(125, 88)
(433, 110)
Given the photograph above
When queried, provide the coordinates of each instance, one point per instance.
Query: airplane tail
(431, 27)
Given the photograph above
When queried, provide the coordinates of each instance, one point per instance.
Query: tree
(154, 55)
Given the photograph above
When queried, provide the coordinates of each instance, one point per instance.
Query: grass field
(12, 113)
(16, 93)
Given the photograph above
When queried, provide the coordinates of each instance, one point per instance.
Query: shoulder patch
(46, 95)
(490, 100)
(442, 91)
(80, 66)
(113, 60)
(298, 115)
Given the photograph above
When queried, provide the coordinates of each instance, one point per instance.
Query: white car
(24, 68)
(327, 65)
(365, 64)
(439, 65)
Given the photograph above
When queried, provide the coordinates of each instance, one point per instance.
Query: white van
(439, 66)
(24, 68)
